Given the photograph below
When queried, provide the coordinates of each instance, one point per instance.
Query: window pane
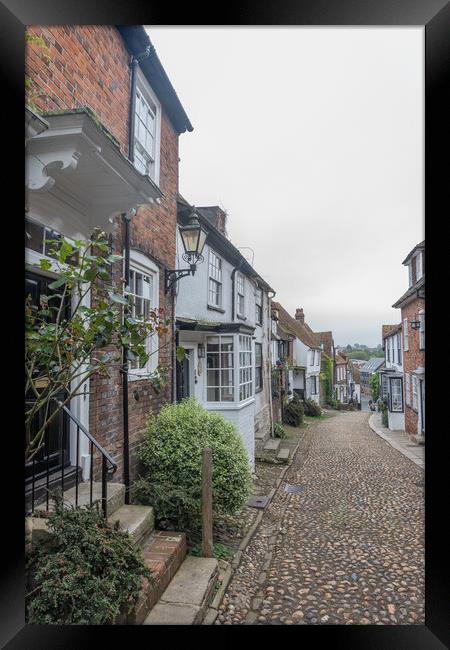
(213, 395)
(227, 394)
(226, 377)
(213, 343)
(227, 344)
(227, 360)
(213, 378)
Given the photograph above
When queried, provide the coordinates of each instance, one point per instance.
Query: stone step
(272, 445)
(283, 453)
(186, 599)
(115, 493)
(138, 520)
(163, 555)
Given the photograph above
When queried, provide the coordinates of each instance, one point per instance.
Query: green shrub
(279, 431)
(312, 408)
(293, 412)
(171, 454)
(88, 573)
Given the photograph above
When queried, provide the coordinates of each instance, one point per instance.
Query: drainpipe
(126, 446)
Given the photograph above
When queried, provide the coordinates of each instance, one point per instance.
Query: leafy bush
(312, 408)
(374, 385)
(88, 573)
(279, 431)
(220, 551)
(172, 455)
(336, 404)
(293, 412)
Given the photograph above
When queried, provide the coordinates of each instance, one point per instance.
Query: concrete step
(187, 598)
(163, 555)
(283, 453)
(272, 445)
(115, 492)
(138, 520)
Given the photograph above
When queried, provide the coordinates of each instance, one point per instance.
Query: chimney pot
(299, 315)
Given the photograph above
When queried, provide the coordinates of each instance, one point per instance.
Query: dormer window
(419, 266)
(146, 130)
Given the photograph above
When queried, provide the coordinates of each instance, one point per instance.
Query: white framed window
(37, 237)
(240, 295)
(258, 306)
(396, 394)
(384, 386)
(313, 385)
(408, 388)
(422, 330)
(245, 367)
(415, 401)
(419, 266)
(214, 280)
(220, 368)
(405, 335)
(410, 274)
(144, 291)
(147, 126)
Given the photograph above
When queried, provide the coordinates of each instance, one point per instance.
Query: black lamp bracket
(173, 275)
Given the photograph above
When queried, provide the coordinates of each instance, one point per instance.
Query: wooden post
(207, 512)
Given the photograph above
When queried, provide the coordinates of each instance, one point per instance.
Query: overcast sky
(312, 140)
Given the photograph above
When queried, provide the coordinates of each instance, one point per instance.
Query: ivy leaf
(44, 264)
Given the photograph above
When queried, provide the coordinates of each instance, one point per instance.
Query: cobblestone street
(349, 548)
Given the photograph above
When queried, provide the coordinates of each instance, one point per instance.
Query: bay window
(245, 367)
(227, 382)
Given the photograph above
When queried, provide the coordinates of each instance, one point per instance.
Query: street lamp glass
(193, 236)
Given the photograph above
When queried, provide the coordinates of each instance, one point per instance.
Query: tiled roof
(327, 339)
(340, 358)
(356, 371)
(411, 253)
(387, 330)
(373, 364)
(411, 291)
(295, 327)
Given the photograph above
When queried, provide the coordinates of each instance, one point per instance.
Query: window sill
(258, 390)
(214, 308)
(241, 317)
(227, 406)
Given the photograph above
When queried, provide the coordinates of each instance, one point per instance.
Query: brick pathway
(349, 549)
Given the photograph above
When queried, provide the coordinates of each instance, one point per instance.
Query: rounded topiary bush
(293, 412)
(312, 408)
(171, 454)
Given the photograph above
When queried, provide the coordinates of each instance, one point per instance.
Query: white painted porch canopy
(75, 168)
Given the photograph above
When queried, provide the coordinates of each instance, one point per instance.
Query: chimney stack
(299, 315)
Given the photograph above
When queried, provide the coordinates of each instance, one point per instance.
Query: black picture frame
(434, 15)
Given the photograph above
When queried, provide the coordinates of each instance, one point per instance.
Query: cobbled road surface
(349, 549)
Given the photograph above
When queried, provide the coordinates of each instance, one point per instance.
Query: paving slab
(173, 614)
(272, 445)
(399, 440)
(191, 581)
(283, 453)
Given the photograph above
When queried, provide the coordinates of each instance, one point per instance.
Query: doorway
(55, 454)
(184, 375)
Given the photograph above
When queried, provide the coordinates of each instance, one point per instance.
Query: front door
(56, 453)
(184, 387)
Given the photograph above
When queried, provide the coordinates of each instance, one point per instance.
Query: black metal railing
(49, 470)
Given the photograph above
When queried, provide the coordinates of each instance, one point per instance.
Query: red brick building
(103, 123)
(412, 305)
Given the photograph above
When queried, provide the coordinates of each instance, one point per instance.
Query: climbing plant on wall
(326, 377)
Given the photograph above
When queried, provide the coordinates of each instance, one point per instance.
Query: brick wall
(412, 359)
(88, 67)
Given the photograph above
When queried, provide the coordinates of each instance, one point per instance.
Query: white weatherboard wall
(191, 302)
(303, 356)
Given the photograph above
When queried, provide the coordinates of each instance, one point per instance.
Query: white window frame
(410, 274)
(216, 277)
(240, 295)
(246, 379)
(405, 335)
(422, 329)
(396, 407)
(140, 263)
(419, 266)
(259, 388)
(150, 98)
